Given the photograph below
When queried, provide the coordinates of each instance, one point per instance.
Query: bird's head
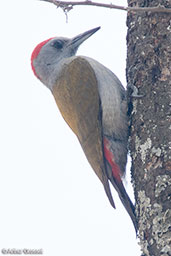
(48, 54)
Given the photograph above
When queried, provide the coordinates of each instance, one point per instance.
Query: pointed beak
(78, 40)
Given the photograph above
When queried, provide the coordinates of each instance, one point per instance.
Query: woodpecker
(93, 103)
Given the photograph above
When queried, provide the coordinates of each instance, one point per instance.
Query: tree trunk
(149, 69)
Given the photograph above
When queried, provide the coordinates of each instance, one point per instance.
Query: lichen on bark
(149, 69)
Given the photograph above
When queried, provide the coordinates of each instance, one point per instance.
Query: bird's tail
(126, 201)
(114, 175)
(130, 208)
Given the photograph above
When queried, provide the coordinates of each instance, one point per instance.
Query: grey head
(49, 56)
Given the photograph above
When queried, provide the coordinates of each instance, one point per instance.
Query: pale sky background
(49, 195)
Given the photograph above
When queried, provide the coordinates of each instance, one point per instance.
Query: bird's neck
(49, 73)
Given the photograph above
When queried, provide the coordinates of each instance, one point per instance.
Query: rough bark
(149, 69)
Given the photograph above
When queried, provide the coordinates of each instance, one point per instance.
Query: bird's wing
(77, 97)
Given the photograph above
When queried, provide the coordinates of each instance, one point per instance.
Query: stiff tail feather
(114, 175)
(125, 201)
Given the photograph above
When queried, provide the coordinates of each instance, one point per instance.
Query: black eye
(58, 44)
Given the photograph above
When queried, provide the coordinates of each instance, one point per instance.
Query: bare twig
(68, 5)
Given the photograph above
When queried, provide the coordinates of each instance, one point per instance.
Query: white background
(50, 197)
